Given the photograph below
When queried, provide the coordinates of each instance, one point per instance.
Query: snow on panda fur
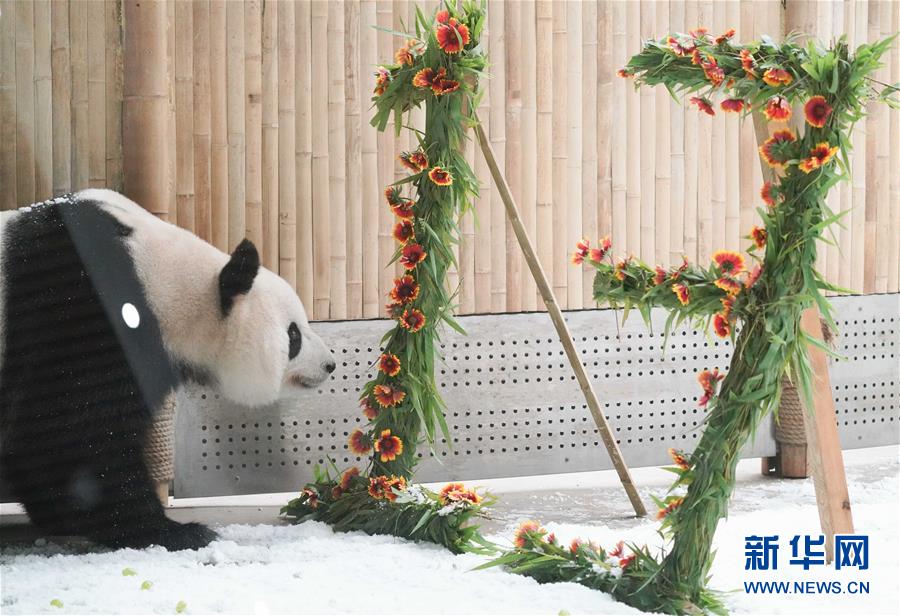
(104, 310)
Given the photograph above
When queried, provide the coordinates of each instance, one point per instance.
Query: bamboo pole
(662, 146)
(24, 118)
(513, 158)
(321, 199)
(884, 239)
(61, 94)
(588, 122)
(606, 70)
(337, 171)
(353, 124)
(287, 145)
(748, 189)
(677, 161)
(8, 198)
(559, 323)
(497, 121)
(483, 243)
(693, 144)
(544, 102)
(386, 163)
(574, 147)
(528, 125)
(304, 159)
(43, 139)
(201, 120)
(560, 151)
(618, 144)
(634, 128)
(706, 169)
(219, 152)
(894, 163)
(858, 172)
(648, 145)
(96, 76)
(270, 130)
(369, 144)
(114, 79)
(236, 109)
(830, 254)
(845, 232)
(253, 188)
(184, 116)
(144, 125)
(171, 193)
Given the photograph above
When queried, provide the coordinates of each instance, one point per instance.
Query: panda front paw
(190, 536)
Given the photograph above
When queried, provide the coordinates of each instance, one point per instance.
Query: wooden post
(512, 211)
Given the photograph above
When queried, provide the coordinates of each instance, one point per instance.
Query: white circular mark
(131, 316)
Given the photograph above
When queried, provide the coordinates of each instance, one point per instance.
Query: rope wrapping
(159, 450)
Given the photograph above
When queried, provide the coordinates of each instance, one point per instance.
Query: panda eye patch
(295, 341)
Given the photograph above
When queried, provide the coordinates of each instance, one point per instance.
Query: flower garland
(439, 67)
(762, 302)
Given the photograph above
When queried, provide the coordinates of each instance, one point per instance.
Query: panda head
(269, 351)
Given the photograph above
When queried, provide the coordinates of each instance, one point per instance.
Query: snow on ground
(309, 569)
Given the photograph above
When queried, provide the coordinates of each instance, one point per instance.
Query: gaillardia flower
(759, 235)
(747, 63)
(713, 71)
(596, 254)
(426, 77)
(382, 79)
(404, 231)
(582, 249)
(680, 47)
(730, 285)
(777, 77)
(412, 320)
(347, 476)
(412, 255)
(383, 486)
(817, 110)
(733, 105)
(660, 276)
(405, 290)
(389, 364)
(709, 382)
(729, 262)
(360, 443)
(721, 325)
(753, 276)
(452, 36)
(388, 396)
(392, 195)
(440, 176)
(725, 36)
(624, 74)
(777, 149)
(704, 105)
(766, 193)
(820, 156)
(682, 293)
(778, 109)
(528, 533)
(699, 34)
(388, 446)
(671, 506)
(414, 161)
(679, 459)
(404, 57)
(444, 86)
(403, 209)
(369, 409)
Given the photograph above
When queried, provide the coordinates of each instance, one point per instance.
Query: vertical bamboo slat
(634, 131)
(270, 130)
(184, 116)
(574, 147)
(371, 203)
(873, 175)
(497, 86)
(714, 219)
(705, 175)
(845, 232)
(732, 127)
(514, 171)
(201, 119)
(253, 125)
(677, 153)
(648, 146)
(287, 146)
(219, 153)
(61, 95)
(114, 79)
(606, 73)
(588, 124)
(691, 157)
(337, 170)
(483, 203)
(321, 202)
(663, 160)
(43, 106)
(894, 163)
(353, 124)
(544, 101)
(528, 125)
(386, 162)
(618, 125)
(8, 110)
(24, 73)
(96, 92)
(304, 156)
(560, 152)
(236, 118)
(858, 173)
(884, 239)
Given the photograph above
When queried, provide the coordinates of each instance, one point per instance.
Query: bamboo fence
(257, 115)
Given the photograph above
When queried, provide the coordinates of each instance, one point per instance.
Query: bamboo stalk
(588, 123)
(287, 145)
(618, 144)
(201, 120)
(353, 124)
(634, 128)
(574, 147)
(845, 233)
(497, 119)
(78, 63)
(96, 76)
(8, 199)
(691, 159)
(606, 70)
(513, 157)
(528, 124)
(386, 163)
(748, 190)
(24, 118)
(560, 152)
(43, 139)
(662, 146)
(483, 243)
(885, 241)
(114, 79)
(236, 109)
(304, 157)
(337, 171)
(677, 153)
(184, 115)
(559, 323)
(830, 254)
(270, 131)
(706, 169)
(145, 94)
(858, 172)
(648, 146)
(219, 152)
(873, 171)
(369, 144)
(170, 178)
(61, 94)
(253, 195)
(894, 163)
(321, 198)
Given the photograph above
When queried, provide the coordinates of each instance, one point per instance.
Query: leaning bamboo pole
(218, 126)
(236, 110)
(304, 156)
(184, 116)
(513, 158)
(200, 140)
(61, 93)
(287, 140)
(96, 76)
(24, 117)
(497, 121)
(353, 143)
(562, 330)
(528, 126)
(337, 156)
(321, 200)
(253, 182)
(43, 118)
(588, 123)
(113, 96)
(371, 204)
(270, 130)
(145, 100)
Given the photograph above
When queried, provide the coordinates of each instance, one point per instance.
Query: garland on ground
(439, 66)
(764, 302)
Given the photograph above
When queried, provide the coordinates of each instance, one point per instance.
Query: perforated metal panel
(514, 407)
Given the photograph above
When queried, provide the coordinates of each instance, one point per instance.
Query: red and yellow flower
(389, 364)
(721, 325)
(405, 290)
(444, 86)
(360, 443)
(753, 276)
(412, 320)
(696, 58)
(414, 161)
(621, 266)
(388, 396)
(427, 77)
(817, 111)
(778, 109)
(776, 77)
(704, 105)
(727, 306)
(440, 176)
(766, 193)
(660, 276)
(347, 476)
(776, 150)
(311, 497)
(733, 105)
(404, 231)
(729, 262)
(699, 34)
(730, 285)
(404, 57)
(392, 195)
(596, 254)
(682, 293)
(679, 459)
(369, 409)
(747, 63)
(412, 255)
(709, 382)
(452, 36)
(403, 209)
(680, 47)
(383, 487)
(624, 73)
(457, 492)
(759, 236)
(819, 156)
(582, 249)
(382, 79)
(725, 36)
(388, 446)
(671, 506)
(713, 71)
(528, 533)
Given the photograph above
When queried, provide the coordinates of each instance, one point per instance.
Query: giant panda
(104, 311)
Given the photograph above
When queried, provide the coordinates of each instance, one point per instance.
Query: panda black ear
(237, 277)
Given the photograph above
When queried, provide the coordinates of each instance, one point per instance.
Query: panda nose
(329, 367)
